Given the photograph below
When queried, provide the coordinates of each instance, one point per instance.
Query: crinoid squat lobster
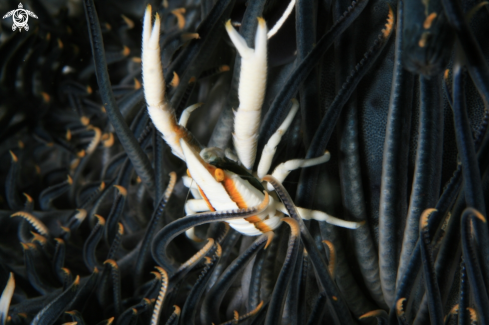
(218, 181)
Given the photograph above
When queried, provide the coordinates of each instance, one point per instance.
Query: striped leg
(271, 146)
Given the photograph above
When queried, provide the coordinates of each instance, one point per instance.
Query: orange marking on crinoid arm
(399, 306)
(189, 36)
(373, 313)
(65, 229)
(270, 237)
(129, 22)
(137, 84)
(423, 222)
(180, 18)
(389, 26)
(84, 120)
(39, 238)
(157, 275)
(175, 81)
(332, 257)
(45, 97)
(454, 309)
(14, 157)
(429, 20)
(479, 216)
(59, 241)
(294, 227)
(423, 41)
(28, 197)
(473, 315)
(126, 51)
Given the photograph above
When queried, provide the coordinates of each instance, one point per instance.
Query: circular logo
(20, 18)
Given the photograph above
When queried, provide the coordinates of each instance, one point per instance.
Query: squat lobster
(217, 182)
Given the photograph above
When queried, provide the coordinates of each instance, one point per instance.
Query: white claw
(6, 298)
(154, 83)
(160, 111)
(261, 40)
(238, 41)
(251, 91)
(147, 25)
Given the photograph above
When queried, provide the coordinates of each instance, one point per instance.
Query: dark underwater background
(402, 112)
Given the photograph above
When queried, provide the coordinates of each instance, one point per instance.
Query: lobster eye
(219, 174)
(212, 155)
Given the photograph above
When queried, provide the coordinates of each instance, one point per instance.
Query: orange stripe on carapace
(234, 194)
(263, 227)
(230, 187)
(253, 219)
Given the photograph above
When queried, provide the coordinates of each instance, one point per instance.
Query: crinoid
(113, 145)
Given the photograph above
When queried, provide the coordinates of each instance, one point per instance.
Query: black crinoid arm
(101, 223)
